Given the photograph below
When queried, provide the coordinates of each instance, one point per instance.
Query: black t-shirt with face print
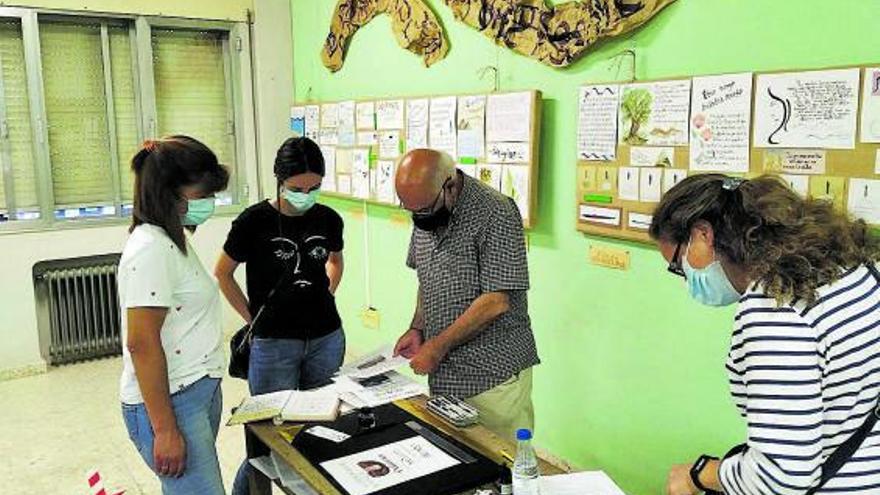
(297, 248)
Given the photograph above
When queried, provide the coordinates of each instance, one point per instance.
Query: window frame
(235, 39)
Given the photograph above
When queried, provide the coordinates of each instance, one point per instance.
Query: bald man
(471, 331)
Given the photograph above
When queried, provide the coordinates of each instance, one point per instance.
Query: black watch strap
(697, 469)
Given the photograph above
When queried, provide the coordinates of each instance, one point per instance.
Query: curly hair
(787, 244)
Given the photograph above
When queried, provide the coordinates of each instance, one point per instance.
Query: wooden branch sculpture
(556, 36)
(415, 27)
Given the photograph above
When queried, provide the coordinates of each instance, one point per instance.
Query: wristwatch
(697, 469)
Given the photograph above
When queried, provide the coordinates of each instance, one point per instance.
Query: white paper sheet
(815, 109)
(366, 115)
(798, 183)
(329, 115)
(597, 122)
(387, 466)
(639, 221)
(442, 135)
(470, 170)
(389, 145)
(343, 184)
(265, 465)
(509, 152)
(644, 156)
(360, 173)
(329, 182)
(367, 138)
(334, 436)
(347, 114)
(671, 177)
(344, 160)
(290, 478)
(515, 183)
(377, 362)
(600, 215)
(311, 405)
(389, 114)
(490, 174)
(628, 183)
(721, 110)
(655, 113)
(329, 137)
(650, 185)
(384, 389)
(417, 124)
(509, 117)
(313, 122)
(471, 126)
(871, 106)
(384, 173)
(864, 199)
(587, 483)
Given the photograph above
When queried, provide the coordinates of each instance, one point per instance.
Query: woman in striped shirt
(804, 361)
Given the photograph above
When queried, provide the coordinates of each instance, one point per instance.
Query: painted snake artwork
(554, 35)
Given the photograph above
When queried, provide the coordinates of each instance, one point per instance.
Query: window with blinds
(193, 95)
(18, 193)
(77, 101)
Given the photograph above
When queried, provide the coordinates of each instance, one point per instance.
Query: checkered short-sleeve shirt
(482, 250)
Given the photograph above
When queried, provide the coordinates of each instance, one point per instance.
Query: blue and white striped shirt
(805, 378)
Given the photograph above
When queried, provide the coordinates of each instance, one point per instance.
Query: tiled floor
(56, 426)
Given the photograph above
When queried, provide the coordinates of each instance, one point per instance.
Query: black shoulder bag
(240, 343)
(844, 452)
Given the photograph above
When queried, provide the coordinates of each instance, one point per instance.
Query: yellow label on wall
(609, 257)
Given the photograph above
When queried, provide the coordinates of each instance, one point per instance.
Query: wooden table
(278, 440)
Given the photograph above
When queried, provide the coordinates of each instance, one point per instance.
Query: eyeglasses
(426, 212)
(675, 265)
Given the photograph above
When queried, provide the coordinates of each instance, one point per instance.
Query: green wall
(632, 378)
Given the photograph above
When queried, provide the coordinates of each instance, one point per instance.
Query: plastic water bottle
(526, 479)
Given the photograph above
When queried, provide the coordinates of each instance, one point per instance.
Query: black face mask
(434, 221)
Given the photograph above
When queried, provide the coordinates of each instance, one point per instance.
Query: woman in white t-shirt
(173, 359)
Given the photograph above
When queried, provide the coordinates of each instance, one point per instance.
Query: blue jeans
(197, 409)
(290, 364)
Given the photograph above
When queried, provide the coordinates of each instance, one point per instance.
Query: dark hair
(160, 169)
(789, 245)
(298, 155)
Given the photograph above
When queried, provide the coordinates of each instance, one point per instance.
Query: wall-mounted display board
(493, 137)
(818, 129)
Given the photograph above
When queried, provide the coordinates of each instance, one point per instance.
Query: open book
(288, 405)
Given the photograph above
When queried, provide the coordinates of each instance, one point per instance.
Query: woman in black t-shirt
(293, 246)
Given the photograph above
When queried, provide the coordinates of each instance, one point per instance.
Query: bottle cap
(523, 434)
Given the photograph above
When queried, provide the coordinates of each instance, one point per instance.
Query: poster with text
(816, 109)
(871, 106)
(721, 108)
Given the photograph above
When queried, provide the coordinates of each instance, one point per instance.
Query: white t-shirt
(153, 272)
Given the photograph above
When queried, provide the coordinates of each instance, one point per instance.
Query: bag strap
(844, 452)
(269, 298)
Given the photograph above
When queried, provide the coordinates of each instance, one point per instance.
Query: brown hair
(160, 169)
(789, 245)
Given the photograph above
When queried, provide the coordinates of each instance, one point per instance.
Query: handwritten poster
(366, 115)
(721, 108)
(810, 162)
(655, 114)
(416, 124)
(515, 184)
(329, 182)
(298, 121)
(360, 173)
(329, 115)
(389, 145)
(389, 114)
(597, 122)
(472, 126)
(509, 152)
(816, 109)
(509, 117)
(442, 125)
(871, 106)
(864, 200)
(384, 174)
(328, 137)
(313, 122)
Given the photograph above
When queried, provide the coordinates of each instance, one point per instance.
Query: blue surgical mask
(198, 211)
(709, 285)
(299, 200)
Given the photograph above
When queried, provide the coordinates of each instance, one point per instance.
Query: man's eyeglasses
(675, 266)
(426, 212)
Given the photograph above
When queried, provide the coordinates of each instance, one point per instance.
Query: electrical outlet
(370, 318)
